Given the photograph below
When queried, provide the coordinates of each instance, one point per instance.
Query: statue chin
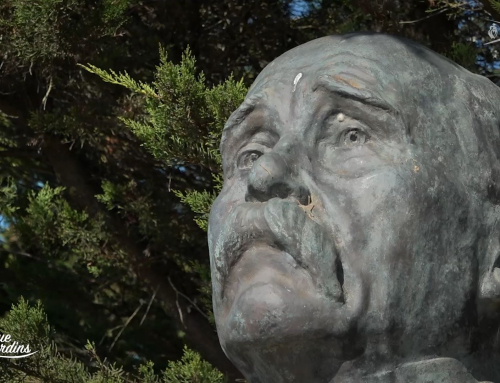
(276, 317)
(271, 300)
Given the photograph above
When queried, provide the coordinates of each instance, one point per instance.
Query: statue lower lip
(284, 269)
(265, 265)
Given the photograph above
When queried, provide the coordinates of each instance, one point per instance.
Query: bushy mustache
(283, 225)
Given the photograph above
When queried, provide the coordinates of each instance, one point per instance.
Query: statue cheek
(379, 194)
(230, 197)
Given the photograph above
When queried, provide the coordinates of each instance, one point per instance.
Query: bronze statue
(357, 236)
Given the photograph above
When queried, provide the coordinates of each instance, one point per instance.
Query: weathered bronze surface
(357, 236)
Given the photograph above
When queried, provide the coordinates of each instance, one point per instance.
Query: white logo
(13, 348)
(493, 32)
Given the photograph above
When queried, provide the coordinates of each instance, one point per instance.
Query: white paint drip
(296, 81)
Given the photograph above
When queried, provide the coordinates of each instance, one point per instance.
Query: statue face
(337, 232)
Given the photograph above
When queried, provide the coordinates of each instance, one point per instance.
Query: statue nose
(271, 177)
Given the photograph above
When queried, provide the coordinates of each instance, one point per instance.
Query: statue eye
(248, 158)
(353, 137)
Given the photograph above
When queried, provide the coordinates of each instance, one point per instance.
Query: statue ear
(489, 281)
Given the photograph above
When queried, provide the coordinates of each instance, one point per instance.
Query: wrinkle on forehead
(325, 50)
(355, 70)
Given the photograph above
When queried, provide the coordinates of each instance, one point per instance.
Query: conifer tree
(109, 164)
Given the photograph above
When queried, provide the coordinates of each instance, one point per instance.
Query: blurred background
(110, 119)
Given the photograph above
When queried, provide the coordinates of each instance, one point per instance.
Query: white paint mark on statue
(296, 81)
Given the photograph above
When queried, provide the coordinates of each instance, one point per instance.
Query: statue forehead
(379, 59)
(388, 59)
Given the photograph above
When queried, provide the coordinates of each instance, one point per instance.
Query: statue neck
(439, 370)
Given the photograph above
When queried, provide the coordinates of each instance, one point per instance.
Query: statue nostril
(281, 190)
(289, 190)
(285, 190)
(299, 193)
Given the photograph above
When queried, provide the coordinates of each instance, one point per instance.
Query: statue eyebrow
(237, 117)
(349, 88)
(243, 111)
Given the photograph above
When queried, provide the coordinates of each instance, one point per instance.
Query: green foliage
(182, 121)
(34, 22)
(68, 125)
(200, 203)
(221, 101)
(58, 228)
(122, 79)
(183, 117)
(43, 30)
(114, 10)
(205, 289)
(111, 194)
(28, 325)
(8, 194)
(4, 120)
(464, 54)
(495, 4)
(117, 197)
(50, 225)
(191, 368)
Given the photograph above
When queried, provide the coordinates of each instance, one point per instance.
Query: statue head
(358, 228)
